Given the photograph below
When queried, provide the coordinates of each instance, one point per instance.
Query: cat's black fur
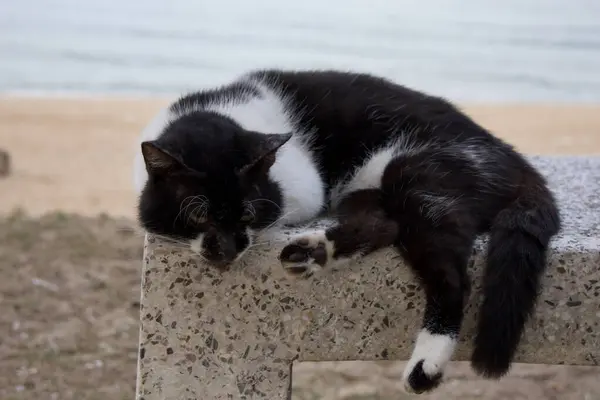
(457, 182)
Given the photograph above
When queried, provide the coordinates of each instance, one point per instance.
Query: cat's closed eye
(198, 219)
(247, 216)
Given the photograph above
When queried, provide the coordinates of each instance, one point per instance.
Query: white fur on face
(196, 244)
(251, 239)
(435, 350)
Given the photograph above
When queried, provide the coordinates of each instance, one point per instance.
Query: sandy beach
(76, 154)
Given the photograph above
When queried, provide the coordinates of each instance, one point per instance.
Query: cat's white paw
(307, 253)
(425, 369)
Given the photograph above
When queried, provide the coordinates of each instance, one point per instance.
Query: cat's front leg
(362, 228)
(308, 253)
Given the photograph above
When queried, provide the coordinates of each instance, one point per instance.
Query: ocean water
(474, 50)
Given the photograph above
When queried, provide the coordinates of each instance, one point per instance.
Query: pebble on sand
(4, 163)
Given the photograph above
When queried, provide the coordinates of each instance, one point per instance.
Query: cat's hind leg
(436, 234)
(439, 259)
(362, 228)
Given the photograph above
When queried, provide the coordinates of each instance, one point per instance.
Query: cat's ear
(262, 149)
(157, 160)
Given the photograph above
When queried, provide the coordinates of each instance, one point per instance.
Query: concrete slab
(210, 335)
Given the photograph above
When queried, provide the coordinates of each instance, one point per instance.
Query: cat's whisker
(250, 207)
(172, 241)
(200, 257)
(198, 202)
(267, 201)
(190, 201)
(204, 208)
(198, 206)
(259, 244)
(190, 198)
(175, 244)
(272, 224)
(193, 203)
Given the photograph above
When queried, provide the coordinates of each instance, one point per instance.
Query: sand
(76, 154)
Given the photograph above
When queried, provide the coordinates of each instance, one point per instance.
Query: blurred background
(79, 79)
(535, 50)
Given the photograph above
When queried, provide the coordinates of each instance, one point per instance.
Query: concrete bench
(209, 335)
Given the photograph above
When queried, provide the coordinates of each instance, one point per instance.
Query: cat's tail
(516, 260)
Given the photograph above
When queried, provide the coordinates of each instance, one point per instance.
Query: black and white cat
(395, 166)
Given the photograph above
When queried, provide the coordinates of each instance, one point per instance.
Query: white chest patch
(369, 174)
(366, 176)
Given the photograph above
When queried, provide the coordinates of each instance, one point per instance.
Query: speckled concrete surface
(211, 335)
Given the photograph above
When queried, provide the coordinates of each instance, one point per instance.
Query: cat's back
(342, 101)
(358, 113)
(335, 91)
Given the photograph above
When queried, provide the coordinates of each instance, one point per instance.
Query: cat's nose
(227, 248)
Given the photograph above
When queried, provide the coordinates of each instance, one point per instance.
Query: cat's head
(208, 185)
